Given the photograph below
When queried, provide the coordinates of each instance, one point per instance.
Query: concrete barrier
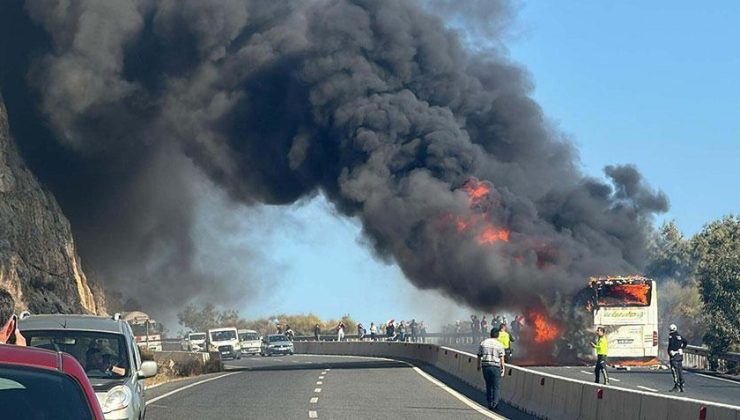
(541, 394)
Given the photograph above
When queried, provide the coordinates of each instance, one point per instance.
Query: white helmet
(673, 328)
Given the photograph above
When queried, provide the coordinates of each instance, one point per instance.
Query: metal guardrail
(697, 357)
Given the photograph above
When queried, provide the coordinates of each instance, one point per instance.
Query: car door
(137, 384)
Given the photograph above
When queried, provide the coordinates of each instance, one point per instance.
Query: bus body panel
(631, 331)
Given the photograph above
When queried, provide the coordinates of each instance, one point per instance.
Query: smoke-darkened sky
(132, 110)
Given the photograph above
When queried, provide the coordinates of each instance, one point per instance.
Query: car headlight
(118, 398)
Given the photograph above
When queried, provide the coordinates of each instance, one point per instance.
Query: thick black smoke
(123, 106)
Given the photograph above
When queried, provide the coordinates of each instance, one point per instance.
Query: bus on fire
(627, 307)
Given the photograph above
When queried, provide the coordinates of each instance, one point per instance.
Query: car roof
(221, 329)
(35, 357)
(72, 322)
(276, 335)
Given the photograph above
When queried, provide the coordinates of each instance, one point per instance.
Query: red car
(38, 384)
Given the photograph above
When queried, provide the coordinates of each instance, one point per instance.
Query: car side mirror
(148, 369)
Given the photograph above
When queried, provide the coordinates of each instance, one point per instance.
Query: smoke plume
(122, 107)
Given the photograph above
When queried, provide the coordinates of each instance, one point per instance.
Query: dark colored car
(43, 384)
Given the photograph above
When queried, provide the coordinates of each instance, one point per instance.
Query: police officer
(601, 347)
(676, 344)
(505, 339)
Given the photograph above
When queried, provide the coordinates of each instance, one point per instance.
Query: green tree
(199, 319)
(670, 255)
(672, 265)
(716, 250)
(682, 305)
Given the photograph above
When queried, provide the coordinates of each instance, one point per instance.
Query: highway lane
(302, 386)
(698, 386)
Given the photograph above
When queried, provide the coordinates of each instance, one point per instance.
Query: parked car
(276, 344)
(106, 349)
(225, 341)
(249, 340)
(43, 384)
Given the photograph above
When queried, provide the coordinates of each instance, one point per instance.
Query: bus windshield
(610, 294)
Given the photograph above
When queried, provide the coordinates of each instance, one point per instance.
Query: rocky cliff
(38, 261)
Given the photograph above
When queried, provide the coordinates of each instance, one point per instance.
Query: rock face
(38, 261)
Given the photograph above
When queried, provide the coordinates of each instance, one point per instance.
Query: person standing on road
(676, 344)
(402, 331)
(414, 330)
(373, 331)
(317, 332)
(390, 330)
(340, 331)
(601, 347)
(505, 339)
(484, 326)
(9, 333)
(491, 362)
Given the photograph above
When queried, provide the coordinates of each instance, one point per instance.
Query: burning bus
(627, 307)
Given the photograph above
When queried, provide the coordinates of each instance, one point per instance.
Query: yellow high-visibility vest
(601, 346)
(503, 338)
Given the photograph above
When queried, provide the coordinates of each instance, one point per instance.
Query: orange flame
(630, 293)
(491, 234)
(545, 330)
(477, 190)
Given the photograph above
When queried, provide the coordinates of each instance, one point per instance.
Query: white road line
(615, 380)
(587, 373)
(314, 400)
(153, 400)
(312, 414)
(317, 390)
(321, 377)
(647, 389)
(719, 379)
(319, 383)
(465, 400)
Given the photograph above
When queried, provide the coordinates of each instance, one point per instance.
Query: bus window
(623, 294)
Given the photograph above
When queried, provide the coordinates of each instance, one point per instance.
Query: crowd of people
(410, 331)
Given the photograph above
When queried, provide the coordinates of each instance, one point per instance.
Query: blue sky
(656, 84)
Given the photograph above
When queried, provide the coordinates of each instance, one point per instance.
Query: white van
(225, 341)
(249, 340)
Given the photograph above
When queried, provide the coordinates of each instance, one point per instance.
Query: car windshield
(278, 338)
(103, 355)
(223, 335)
(28, 393)
(197, 337)
(248, 337)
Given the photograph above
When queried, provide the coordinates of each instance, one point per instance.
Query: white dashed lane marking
(312, 414)
(647, 389)
(314, 400)
(317, 390)
(319, 383)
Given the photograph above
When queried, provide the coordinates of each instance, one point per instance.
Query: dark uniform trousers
(601, 368)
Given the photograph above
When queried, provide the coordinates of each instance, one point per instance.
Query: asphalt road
(697, 385)
(325, 387)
